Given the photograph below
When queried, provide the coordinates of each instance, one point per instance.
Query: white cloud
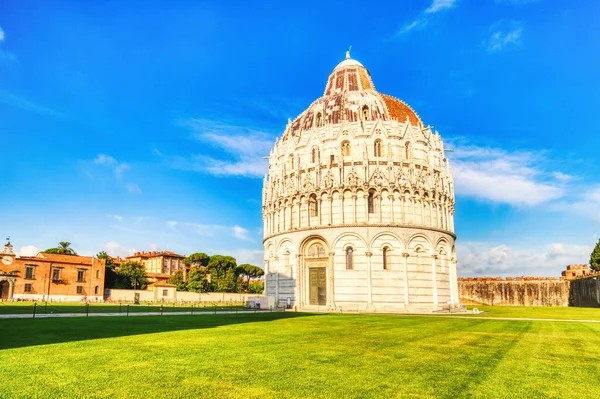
(118, 218)
(133, 188)
(172, 223)
(485, 259)
(586, 203)
(503, 34)
(28, 250)
(119, 167)
(422, 19)
(440, 5)
(114, 249)
(20, 102)
(1, 34)
(240, 232)
(416, 24)
(209, 229)
(497, 175)
(244, 147)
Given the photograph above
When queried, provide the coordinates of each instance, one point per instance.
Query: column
(354, 208)
(405, 256)
(369, 282)
(380, 200)
(308, 212)
(331, 209)
(276, 281)
(299, 282)
(299, 213)
(320, 212)
(451, 281)
(330, 283)
(343, 207)
(392, 198)
(434, 278)
(367, 208)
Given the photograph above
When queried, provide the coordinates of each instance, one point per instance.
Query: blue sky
(141, 125)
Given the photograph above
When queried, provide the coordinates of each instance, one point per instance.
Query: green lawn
(538, 312)
(70, 307)
(295, 355)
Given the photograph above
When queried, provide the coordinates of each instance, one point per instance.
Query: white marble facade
(358, 205)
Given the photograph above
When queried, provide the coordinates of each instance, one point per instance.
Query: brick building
(160, 265)
(53, 277)
(577, 271)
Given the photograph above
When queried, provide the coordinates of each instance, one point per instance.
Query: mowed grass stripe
(296, 356)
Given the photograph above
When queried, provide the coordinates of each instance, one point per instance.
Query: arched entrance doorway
(4, 290)
(316, 261)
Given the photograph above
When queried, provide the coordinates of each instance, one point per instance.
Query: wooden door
(317, 277)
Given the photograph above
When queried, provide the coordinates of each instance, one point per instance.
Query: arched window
(96, 290)
(365, 112)
(314, 155)
(291, 162)
(346, 148)
(371, 202)
(313, 206)
(316, 251)
(349, 258)
(319, 120)
(377, 148)
(407, 150)
(386, 258)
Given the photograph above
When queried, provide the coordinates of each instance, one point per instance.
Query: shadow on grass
(16, 333)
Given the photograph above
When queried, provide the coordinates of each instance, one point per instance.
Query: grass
(66, 307)
(538, 312)
(296, 355)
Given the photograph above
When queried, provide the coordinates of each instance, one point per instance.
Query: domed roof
(350, 95)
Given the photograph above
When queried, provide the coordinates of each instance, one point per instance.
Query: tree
(250, 272)
(131, 275)
(595, 258)
(197, 280)
(256, 287)
(64, 248)
(177, 279)
(223, 273)
(198, 259)
(110, 275)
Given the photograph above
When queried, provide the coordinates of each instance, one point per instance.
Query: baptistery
(358, 205)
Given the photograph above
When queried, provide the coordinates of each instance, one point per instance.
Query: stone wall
(585, 292)
(514, 292)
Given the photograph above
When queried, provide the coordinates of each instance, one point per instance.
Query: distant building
(53, 277)
(160, 265)
(576, 271)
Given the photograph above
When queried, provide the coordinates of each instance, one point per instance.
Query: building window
(80, 289)
(314, 155)
(80, 276)
(349, 258)
(316, 251)
(96, 290)
(291, 162)
(56, 274)
(377, 148)
(365, 112)
(165, 292)
(97, 273)
(29, 272)
(331, 160)
(371, 202)
(346, 148)
(319, 120)
(407, 150)
(313, 206)
(386, 258)
(27, 287)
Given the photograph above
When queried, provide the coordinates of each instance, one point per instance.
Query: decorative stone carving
(353, 179)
